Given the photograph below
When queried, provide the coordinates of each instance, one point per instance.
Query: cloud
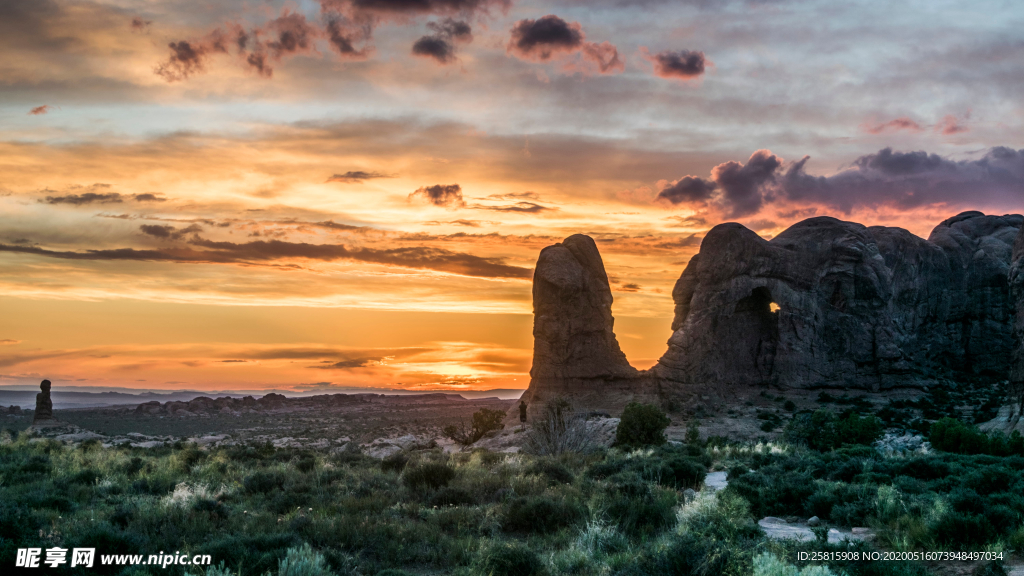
(169, 232)
(383, 8)
(688, 189)
(460, 222)
(356, 176)
(912, 179)
(40, 110)
(515, 196)
(441, 44)
(86, 198)
(950, 125)
(139, 24)
(630, 287)
(528, 207)
(208, 251)
(149, 197)
(9, 342)
(682, 65)
(353, 363)
(737, 189)
(100, 197)
(449, 195)
(901, 123)
(550, 37)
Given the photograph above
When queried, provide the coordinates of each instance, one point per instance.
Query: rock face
(825, 304)
(1016, 281)
(829, 303)
(575, 353)
(44, 406)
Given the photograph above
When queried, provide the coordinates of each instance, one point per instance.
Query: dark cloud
(149, 197)
(188, 58)
(140, 24)
(157, 230)
(164, 231)
(743, 186)
(85, 198)
(688, 189)
(901, 123)
(912, 179)
(528, 207)
(343, 36)
(356, 176)
(515, 196)
(470, 223)
(404, 7)
(449, 195)
(542, 39)
(630, 287)
(353, 363)
(200, 250)
(100, 197)
(684, 64)
(737, 189)
(441, 44)
(40, 110)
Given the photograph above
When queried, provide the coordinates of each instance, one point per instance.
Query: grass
(257, 509)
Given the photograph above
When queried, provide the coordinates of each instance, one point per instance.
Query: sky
(320, 194)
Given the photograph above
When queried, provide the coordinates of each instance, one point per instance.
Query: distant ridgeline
(825, 304)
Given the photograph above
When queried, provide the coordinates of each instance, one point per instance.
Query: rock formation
(575, 352)
(854, 307)
(825, 304)
(1016, 281)
(44, 406)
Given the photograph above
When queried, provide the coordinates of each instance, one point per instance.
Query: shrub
(641, 425)
(640, 509)
(305, 463)
(510, 559)
(561, 429)
(824, 430)
(394, 463)
(303, 561)
(263, 482)
(428, 475)
(449, 496)
(542, 514)
(951, 435)
(485, 421)
(554, 471)
(686, 555)
(684, 473)
(963, 530)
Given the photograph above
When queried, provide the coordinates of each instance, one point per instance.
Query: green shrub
(485, 421)
(395, 463)
(951, 435)
(263, 481)
(510, 559)
(554, 471)
(641, 425)
(449, 496)
(303, 561)
(824, 430)
(431, 475)
(688, 554)
(640, 509)
(683, 473)
(541, 514)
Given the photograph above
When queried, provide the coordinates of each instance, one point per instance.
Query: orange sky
(373, 221)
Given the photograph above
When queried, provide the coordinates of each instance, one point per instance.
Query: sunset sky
(324, 194)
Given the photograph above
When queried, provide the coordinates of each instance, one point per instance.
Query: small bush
(395, 463)
(485, 421)
(431, 475)
(263, 482)
(449, 496)
(542, 514)
(303, 561)
(824, 430)
(510, 559)
(554, 471)
(641, 425)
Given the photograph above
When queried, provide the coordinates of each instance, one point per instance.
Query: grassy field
(258, 509)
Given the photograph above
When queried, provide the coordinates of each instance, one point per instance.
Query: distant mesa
(825, 304)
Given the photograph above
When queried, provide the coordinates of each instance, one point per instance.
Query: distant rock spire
(44, 406)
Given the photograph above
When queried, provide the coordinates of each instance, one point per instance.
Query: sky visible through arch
(352, 193)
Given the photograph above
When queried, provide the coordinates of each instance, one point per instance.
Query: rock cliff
(829, 303)
(825, 304)
(1016, 280)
